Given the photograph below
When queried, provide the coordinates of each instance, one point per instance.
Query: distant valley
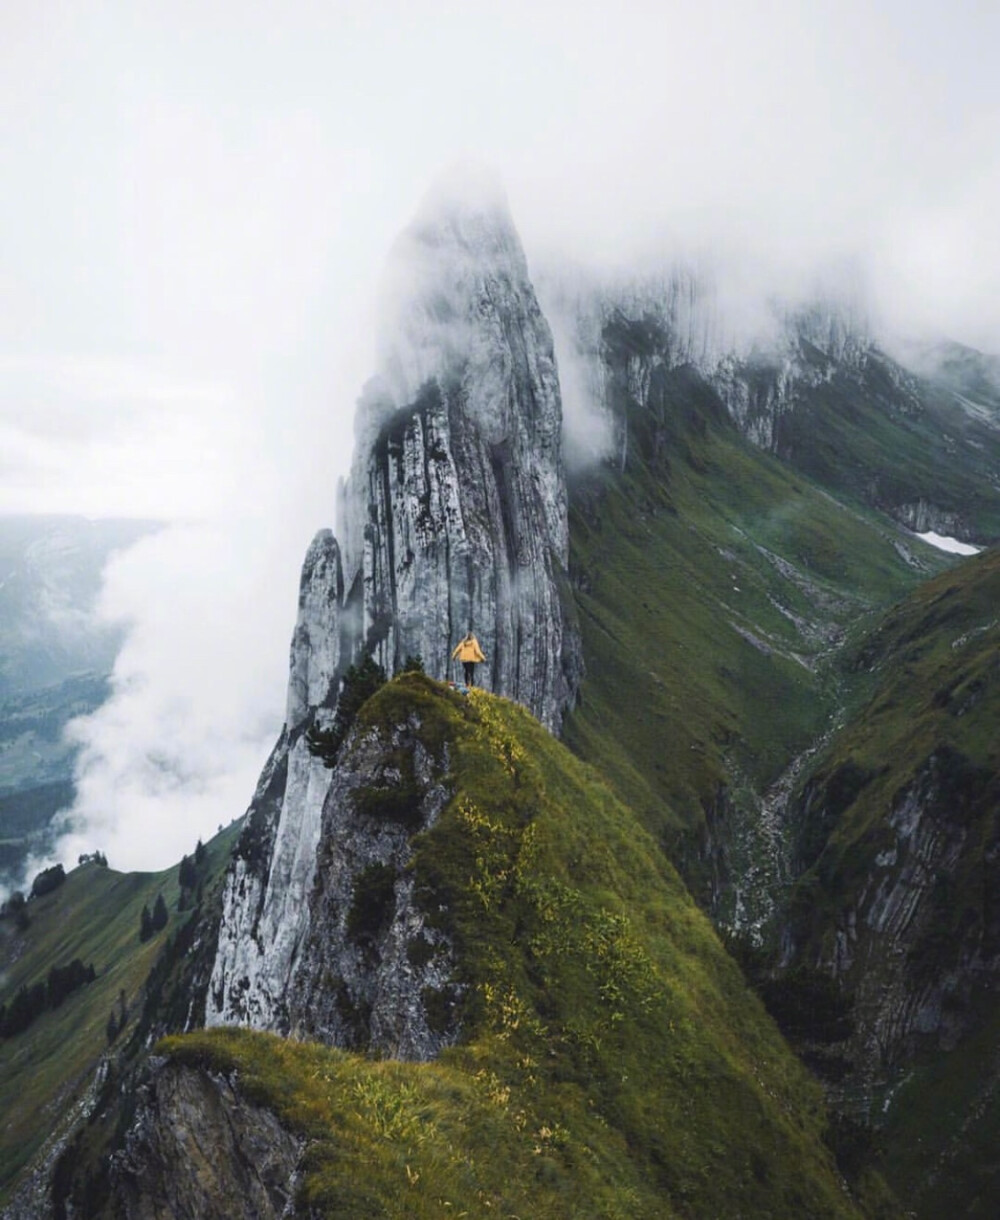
(55, 660)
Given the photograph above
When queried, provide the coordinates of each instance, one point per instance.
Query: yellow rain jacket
(469, 650)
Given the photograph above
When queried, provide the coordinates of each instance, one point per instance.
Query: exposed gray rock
(198, 1150)
(453, 518)
(373, 973)
(913, 974)
(265, 907)
(454, 515)
(316, 643)
(922, 516)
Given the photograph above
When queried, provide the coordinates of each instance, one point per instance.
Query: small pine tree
(145, 924)
(111, 1029)
(414, 664)
(159, 914)
(187, 874)
(360, 682)
(200, 853)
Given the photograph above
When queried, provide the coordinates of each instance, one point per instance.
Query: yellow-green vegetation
(713, 591)
(93, 916)
(612, 1061)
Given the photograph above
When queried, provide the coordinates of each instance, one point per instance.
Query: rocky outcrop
(197, 1149)
(455, 510)
(318, 643)
(328, 942)
(453, 518)
(374, 973)
(919, 936)
(921, 516)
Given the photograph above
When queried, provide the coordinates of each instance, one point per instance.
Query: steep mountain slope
(448, 886)
(714, 586)
(810, 384)
(47, 1072)
(453, 518)
(609, 1060)
(898, 840)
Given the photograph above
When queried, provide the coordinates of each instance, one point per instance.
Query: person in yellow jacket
(470, 654)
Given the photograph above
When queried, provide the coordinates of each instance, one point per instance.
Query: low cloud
(205, 198)
(197, 691)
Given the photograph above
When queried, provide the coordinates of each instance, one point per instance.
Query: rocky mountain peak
(457, 305)
(453, 518)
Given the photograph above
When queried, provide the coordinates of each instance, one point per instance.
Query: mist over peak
(443, 279)
(468, 197)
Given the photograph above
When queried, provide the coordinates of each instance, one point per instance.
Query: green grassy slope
(713, 585)
(613, 1062)
(863, 436)
(94, 916)
(927, 728)
(931, 671)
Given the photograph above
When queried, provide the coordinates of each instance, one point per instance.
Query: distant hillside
(47, 1072)
(898, 840)
(55, 658)
(715, 586)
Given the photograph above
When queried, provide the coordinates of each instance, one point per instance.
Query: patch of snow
(951, 545)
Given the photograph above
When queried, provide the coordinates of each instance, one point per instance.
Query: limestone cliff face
(196, 1149)
(455, 510)
(761, 369)
(811, 384)
(453, 518)
(321, 935)
(392, 973)
(917, 936)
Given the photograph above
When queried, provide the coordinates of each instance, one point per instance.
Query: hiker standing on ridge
(470, 654)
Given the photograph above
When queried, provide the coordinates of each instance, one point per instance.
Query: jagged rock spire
(453, 517)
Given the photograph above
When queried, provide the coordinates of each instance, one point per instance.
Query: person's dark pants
(470, 672)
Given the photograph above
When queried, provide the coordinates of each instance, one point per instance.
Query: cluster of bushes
(48, 879)
(151, 922)
(190, 877)
(30, 1002)
(359, 684)
(16, 908)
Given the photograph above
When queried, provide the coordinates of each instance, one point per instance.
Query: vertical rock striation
(456, 503)
(453, 518)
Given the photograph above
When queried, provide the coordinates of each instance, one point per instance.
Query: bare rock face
(198, 1150)
(912, 953)
(317, 644)
(455, 510)
(392, 973)
(453, 518)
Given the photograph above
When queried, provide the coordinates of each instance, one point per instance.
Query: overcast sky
(197, 199)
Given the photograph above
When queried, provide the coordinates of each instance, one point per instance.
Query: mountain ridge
(454, 888)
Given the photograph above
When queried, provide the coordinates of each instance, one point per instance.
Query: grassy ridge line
(613, 1062)
(95, 916)
(856, 440)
